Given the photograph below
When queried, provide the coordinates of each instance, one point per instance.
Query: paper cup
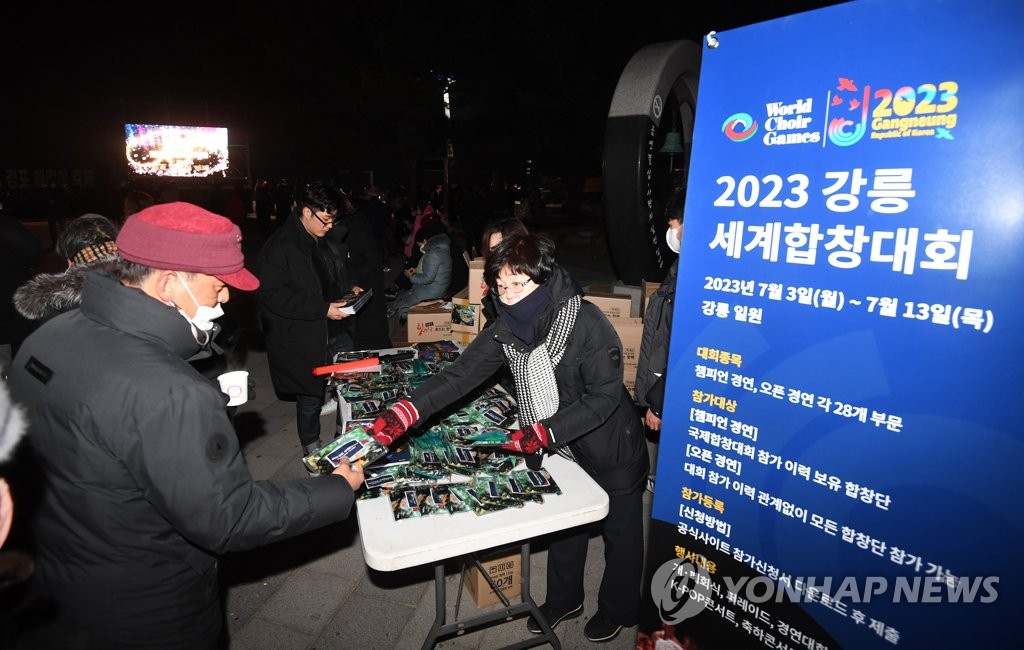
(235, 385)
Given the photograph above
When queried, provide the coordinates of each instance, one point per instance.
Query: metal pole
(445, 181)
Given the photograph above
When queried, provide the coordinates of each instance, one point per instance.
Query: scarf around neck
(534, 370)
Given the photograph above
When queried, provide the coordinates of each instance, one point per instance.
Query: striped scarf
(534, 371)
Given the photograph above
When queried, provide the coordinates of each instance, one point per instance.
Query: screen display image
(164, 150)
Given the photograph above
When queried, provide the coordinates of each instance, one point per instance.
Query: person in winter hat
(146, 484)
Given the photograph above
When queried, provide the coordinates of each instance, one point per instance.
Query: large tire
(656, 92)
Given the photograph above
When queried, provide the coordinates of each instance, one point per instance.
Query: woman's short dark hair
(507, 227)
(530, 255)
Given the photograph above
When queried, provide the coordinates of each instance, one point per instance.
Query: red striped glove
(393, 422)
(528, 440)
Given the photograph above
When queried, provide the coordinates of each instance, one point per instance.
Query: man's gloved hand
(393, 422)
(528, 440)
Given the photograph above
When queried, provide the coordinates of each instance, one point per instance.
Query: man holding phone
(303, 277)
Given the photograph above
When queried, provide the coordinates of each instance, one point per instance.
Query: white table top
(389, 545)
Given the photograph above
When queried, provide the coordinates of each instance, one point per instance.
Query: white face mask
(672, 238)
(203, 320)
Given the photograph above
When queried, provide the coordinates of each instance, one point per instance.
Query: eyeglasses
(512, 287)
(327, 222)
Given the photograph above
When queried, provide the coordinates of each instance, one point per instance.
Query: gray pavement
(316, 591)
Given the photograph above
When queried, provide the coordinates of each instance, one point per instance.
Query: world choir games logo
(739, 127)
(852, 112)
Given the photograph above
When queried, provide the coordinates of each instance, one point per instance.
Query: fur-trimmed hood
(49, 294)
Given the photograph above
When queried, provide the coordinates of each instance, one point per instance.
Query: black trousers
(307, 407)
(307, 417)
(618, 599)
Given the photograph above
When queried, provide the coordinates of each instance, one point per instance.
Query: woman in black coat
(567, 363)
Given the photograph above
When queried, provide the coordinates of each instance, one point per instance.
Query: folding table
(390, 545)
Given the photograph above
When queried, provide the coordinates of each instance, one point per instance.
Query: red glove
(392, 424)
(528, 440)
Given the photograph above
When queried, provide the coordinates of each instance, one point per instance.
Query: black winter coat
(652, 362)
(145, 482)
(295, 308)
(596, 422)
(370, 328)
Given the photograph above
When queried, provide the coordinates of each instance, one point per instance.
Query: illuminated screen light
(162, 150)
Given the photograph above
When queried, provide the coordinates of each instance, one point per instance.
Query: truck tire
(656, 93)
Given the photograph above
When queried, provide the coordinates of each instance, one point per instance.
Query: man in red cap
(146, 484)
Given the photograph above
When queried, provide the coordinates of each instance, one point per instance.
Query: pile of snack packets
(452, 464)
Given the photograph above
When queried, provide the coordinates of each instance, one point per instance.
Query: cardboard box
(476, 280)
(504, 569)
(630, 331)
(466, 315)
(614, 305)
(429, 321)
(618, 290)
(646, 289)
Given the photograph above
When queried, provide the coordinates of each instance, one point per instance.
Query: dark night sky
(315, 88)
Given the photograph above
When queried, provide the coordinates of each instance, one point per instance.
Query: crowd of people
(141, 497)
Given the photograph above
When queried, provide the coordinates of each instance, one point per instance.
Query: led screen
(163, 150)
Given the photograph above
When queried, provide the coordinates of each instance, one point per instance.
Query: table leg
(440, 602)
(548, 633)
(508, 611)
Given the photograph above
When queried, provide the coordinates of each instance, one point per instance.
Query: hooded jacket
(433, 274)
(146, 484)
(48, 294)
(596, 424)
(434, 270)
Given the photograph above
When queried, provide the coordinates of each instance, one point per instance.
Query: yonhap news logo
(852, 590)
(682, 589)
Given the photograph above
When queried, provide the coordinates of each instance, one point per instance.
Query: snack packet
(491, 490)
(459, 499)
(468, 496)
(365, 408)
(488, 437)
(405, 504)
(356, 444)
(433, 500)
(536, 481)
(498, 461)
(516, 488)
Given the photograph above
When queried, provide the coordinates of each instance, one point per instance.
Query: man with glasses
(302, 278)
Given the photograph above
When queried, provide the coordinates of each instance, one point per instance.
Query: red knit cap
(184, 237)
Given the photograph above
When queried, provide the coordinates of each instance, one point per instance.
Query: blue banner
(848, 336)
